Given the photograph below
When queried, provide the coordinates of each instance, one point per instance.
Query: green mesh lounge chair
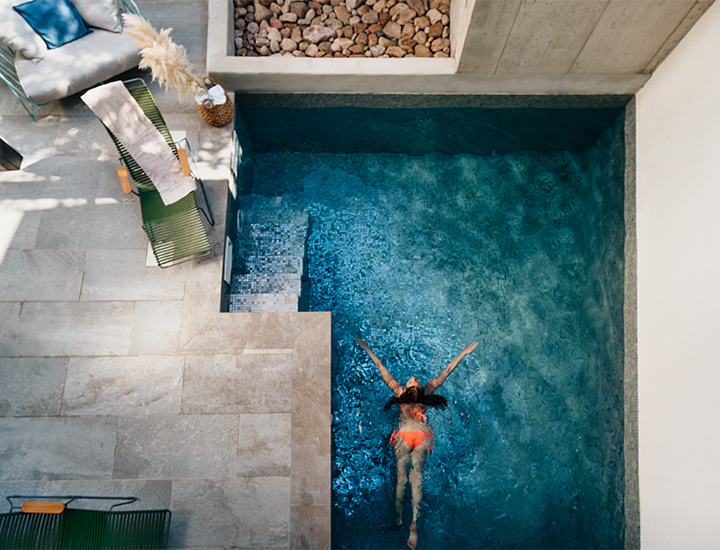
(176, 232)
(52, 525)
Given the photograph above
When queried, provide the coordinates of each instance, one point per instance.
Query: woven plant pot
(216, 115)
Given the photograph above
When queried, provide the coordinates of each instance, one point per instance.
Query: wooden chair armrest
(124, 180)
(43, 507)
(182, 155)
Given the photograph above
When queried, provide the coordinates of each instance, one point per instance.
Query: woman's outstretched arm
(438, 381)
(393, 384)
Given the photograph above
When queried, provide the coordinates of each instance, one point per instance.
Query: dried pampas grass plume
(168, 62)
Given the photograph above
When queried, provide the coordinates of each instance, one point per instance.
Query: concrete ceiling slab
(629, 35)
(699, 8)
(548, 35)
(491, 23)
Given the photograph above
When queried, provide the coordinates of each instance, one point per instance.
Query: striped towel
(118, 110)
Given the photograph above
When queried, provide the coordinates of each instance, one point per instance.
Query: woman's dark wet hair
(416, 394)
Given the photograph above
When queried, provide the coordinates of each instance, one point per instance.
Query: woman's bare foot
(398, 522)
(412, 539)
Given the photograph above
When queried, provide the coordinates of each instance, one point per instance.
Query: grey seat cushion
(77, 65)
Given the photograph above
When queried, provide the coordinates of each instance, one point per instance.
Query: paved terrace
(125, 380)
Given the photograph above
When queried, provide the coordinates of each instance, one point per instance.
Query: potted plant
(169, 65)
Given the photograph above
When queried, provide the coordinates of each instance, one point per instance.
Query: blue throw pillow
(56, 21)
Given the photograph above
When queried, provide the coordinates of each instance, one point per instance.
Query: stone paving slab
(176, 447)
(114, 226)
(67, 176)
(198, 312)
(19, 227)
(9, 317)
(34, 146)
(310, 460)
(252, 331)
(233, 513)
(118, 386)
(313, 363)
(264, 445)
(308, 527)
(310, 397)
(122, 275)
(156, 328)
(237, 384)
(72, 328)
(52, 182)
(47, 275)
(57, 448)
(32, 386)
(82, 135)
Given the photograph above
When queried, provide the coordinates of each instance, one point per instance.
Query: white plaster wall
(678, 228)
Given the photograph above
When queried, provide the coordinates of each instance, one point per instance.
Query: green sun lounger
(52, 525)
(175, 232)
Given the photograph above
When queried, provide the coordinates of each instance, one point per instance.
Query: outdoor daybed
(39, 72)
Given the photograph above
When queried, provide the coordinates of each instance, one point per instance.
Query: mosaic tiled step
(275, 238)
(263, 302)
(263, 239)
(263, 210)
(268, 261)
(274, 264)
(267, 283)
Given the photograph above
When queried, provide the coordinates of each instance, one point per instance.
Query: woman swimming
(413, 438)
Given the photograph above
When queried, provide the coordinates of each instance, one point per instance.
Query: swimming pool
(423, 229)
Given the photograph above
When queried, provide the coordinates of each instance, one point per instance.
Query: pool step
(263, 302)
(275, 239)
(269, 258)
(267, 283)
(274, 264)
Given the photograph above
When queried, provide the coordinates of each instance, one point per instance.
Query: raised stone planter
(342, 28)
(296, 73)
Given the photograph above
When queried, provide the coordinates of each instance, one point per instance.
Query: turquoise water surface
(421, 253)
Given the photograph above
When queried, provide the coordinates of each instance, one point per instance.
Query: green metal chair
(176, 232)
(44, 525)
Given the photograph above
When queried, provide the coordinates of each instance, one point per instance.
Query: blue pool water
(421, 254)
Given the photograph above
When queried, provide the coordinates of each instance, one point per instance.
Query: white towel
(118, 110)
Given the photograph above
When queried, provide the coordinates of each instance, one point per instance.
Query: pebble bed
(342, 28)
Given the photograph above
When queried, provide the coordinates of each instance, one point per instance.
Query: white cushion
(77, 65)
(16, 33)
(102, 14)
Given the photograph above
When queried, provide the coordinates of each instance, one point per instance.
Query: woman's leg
(402, 453)
(418, 456)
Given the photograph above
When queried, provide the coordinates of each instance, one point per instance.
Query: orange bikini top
(417, 413)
